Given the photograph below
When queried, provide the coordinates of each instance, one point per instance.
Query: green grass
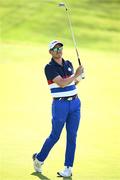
(25, 115)
(26, 27)
(95, 23)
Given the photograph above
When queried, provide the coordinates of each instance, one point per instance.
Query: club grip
(79, 61)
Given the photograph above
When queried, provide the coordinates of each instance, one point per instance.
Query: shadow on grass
(40, 176)
(65, 178)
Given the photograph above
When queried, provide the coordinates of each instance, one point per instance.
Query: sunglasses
(57, 49)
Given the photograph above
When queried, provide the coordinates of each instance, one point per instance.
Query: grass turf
(25, 101)
(25, 115)
(95, 23)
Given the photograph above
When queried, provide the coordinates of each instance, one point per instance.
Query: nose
(59, 51)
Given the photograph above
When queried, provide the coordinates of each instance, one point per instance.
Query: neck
(58, 60)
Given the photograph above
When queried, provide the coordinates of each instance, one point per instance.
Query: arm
(53, 75)
(63, 82)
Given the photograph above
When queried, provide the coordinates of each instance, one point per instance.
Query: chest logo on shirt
(69, 69)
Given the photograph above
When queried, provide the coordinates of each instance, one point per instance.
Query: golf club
(71, 29)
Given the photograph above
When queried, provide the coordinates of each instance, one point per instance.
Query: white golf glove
(80, 77)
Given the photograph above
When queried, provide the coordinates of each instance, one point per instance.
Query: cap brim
(56, 44)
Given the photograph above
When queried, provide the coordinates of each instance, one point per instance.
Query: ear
(50, 51)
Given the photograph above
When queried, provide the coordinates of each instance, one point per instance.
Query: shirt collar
(55, 63)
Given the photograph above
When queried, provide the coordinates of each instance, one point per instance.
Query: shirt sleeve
(50, 72)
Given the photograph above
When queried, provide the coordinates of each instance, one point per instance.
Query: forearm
(66, 81)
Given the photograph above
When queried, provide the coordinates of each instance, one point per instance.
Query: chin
(59, 56)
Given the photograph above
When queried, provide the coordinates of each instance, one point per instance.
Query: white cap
(53, 43)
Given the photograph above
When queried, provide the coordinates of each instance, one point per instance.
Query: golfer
(65, 107)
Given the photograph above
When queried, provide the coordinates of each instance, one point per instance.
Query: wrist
(79, 78)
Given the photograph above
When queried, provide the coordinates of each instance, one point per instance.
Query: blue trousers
(63, 112)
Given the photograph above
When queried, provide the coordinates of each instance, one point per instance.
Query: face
(56, 52)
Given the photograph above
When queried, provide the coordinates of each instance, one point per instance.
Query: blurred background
(96, 23)
(26, 28)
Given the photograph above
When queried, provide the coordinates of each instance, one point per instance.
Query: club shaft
(78, 56)
(73, 36)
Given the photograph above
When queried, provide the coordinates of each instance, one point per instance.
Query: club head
(61, 4)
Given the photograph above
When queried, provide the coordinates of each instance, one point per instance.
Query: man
(65, 107)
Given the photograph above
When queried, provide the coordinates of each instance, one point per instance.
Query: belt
(69, 98)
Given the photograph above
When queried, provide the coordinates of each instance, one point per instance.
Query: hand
(80, 77)
(79, 71)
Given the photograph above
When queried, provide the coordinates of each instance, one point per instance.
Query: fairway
(26, 28)
(25, 115)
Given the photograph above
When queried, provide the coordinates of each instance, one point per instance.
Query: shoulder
(50, 71)
(49, 67)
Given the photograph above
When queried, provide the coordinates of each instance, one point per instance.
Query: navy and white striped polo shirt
(52, 70)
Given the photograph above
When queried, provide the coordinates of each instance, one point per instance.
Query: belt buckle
(70, 99)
